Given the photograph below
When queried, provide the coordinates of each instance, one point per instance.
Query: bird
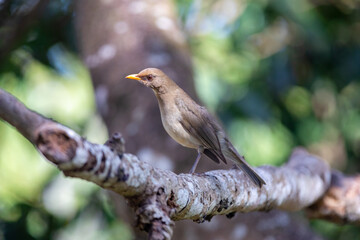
(190, 124)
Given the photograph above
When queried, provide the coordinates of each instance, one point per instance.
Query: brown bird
(190, 124)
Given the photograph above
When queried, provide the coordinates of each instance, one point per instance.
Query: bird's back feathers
(198, 122)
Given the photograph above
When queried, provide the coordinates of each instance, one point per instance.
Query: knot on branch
(153, 215)
(55, 144)
(116, 143)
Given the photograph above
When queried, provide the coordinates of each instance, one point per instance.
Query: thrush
(190, 124)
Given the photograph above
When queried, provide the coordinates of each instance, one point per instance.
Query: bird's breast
(171, 122)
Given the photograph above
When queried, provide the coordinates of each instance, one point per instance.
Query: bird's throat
(161, 90)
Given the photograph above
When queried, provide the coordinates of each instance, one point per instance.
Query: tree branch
(23, 119)
(160, 197)
(341, 202)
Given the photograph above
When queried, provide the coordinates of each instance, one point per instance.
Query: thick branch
(15, 113)
(341, 202)
(161, 196)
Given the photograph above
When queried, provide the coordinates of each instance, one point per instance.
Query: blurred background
(278, 74)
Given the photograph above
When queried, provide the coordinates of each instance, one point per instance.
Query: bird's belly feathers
(174, 128)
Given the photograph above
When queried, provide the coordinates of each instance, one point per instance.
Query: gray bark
(160, 197)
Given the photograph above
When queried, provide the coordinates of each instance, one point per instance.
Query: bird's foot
(235, 166)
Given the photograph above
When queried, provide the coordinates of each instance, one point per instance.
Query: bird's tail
(230, 153)
(252, 174)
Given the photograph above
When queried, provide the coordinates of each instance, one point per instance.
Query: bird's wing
(198, 122)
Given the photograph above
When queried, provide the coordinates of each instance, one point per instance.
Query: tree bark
(160, 197)
(118, 38)
(341, 202)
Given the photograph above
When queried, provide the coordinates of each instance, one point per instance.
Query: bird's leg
(199, 150)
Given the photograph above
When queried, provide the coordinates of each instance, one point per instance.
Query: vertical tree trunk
(117, 38)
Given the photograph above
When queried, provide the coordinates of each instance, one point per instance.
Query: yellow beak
(133, 76)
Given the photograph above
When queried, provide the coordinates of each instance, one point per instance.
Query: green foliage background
(278, 73)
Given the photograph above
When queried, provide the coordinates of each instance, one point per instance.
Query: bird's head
(152, 77)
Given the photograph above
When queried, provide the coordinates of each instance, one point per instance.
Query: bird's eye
(149, 77)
